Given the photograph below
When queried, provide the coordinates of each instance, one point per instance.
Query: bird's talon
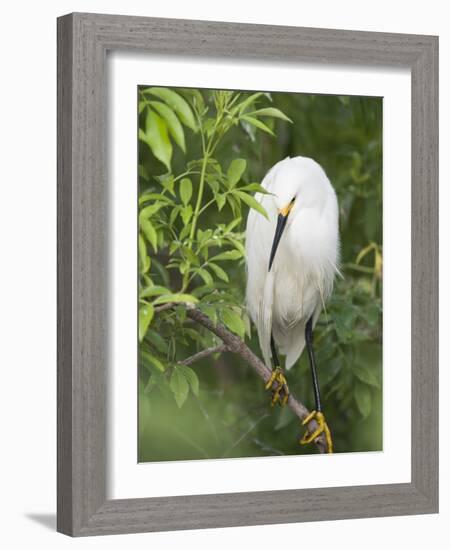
(271, 380)
(280, 394)
(275, 396)
(322, 428)
(308, 419)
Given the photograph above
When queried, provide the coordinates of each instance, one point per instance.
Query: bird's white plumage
(300, 281)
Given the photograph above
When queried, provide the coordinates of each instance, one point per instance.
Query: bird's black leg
(312, 363)
(317, 414)
(275, 360)
(280, 393)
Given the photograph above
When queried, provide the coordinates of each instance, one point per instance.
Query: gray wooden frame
(83, 41)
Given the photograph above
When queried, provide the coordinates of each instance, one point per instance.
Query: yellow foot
(280, 393)
(322, 428)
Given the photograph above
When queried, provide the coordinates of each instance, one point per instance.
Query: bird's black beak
(281, 224)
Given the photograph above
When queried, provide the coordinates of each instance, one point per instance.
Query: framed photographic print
(247, 274)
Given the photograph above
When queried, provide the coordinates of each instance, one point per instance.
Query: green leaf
(214, 166)
(228, 255)
(191, 377)
(232, 225)
(150, 210)
(162, 272)
(249, 130)
(155, 197)
(363, 397)
(173, 124)
(220, 297)
(168, 183)
(252, 203)
(155, 362)
(150, 233)
(344, 334)
(193, 334)
(366, 376)
(238, 245)
(179, 386)
(204, 236)
(271, 112)
(210, 311)
(143, 173)
(208, 280)
(330, 370)
(145, 316)
(183, 267)
(185, 190)
(235, 205)
(213, 183)
(208, 126)
(233, 321)
(258, 124)
(176, 298)
(154, 290)
(200, 235)
(196, 98)
(157, 138)
(157, 379)
(157, 340)
(174, 246)
(240, 108)
(235, 171)
(219, 272)
(185, 231)
(180, 310)
(173, 214)
(178, 104)
(190, 255)
(186, 214)
(255, 188)
(143, 256)
(220, 201)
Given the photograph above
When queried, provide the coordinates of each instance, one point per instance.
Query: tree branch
(202, 354)
(236, 345)
(163, 307)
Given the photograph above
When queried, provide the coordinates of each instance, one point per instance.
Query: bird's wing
(260, 282)
(264, 317)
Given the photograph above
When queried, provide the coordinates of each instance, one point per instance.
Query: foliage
(202, 155)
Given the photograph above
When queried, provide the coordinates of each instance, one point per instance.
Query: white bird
(292, 258)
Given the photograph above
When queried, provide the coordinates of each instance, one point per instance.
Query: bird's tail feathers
(293, 345)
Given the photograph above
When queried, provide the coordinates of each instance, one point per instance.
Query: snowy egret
(291, 261)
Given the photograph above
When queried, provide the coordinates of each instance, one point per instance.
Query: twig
(244, 434)
(265, 447)
(163, 307)
(202, 354)
(236, 345)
